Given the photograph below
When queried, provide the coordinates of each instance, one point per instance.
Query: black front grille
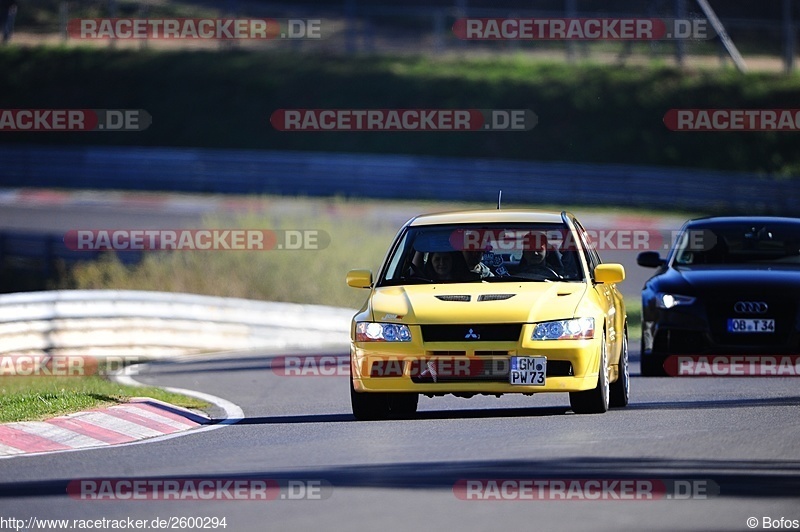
(559, 368)
(679, 341)
(505, 332)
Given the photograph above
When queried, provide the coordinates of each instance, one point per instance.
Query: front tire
(594, 401)
(403, 405)
(621, 388)
(652, 365)
(374, 406)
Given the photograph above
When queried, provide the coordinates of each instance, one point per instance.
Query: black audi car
(729, 286)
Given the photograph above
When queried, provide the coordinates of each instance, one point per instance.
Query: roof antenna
(499, 198)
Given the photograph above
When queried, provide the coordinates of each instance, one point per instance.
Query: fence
(352, 26)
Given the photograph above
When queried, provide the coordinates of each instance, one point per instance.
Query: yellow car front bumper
(477, 367)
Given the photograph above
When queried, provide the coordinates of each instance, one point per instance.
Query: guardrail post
(461, 12)
(63, 20)
(571, 11)
(144, 12)
(680, 45)
(438, 32)
(350, 26)
(112, 13)
(788, 37)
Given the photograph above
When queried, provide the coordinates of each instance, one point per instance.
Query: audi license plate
(751, 325)
(531, 371)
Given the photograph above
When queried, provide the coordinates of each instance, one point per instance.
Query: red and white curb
(140, 418)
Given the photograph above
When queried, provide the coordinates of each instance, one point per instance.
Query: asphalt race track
(732, 440)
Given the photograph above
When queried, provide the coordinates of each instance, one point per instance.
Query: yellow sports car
(489, 302)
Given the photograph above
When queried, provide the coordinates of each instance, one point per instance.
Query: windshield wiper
(498, 278)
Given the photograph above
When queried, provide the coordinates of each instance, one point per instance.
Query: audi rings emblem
(750, 307)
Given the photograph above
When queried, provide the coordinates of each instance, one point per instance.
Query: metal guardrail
(392, 176)
(158, 324)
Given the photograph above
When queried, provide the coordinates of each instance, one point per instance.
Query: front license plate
(751, 325)
(531, 371)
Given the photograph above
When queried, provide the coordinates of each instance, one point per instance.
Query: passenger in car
(440, 266)
(448, 266)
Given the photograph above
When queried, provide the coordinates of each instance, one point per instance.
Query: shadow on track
(421, 416)
(716, 404)
(743, 478)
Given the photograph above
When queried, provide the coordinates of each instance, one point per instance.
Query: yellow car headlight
(574, 329)
(368, 331)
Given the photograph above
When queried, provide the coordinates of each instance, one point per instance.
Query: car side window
(589, 251)
(393, 269)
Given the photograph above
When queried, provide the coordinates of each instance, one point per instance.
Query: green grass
(634, 308)
(37, 398)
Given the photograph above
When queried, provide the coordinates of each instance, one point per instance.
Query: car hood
(704, 280)
(524, 302)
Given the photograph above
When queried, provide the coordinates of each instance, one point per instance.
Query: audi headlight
(574, 329)
(667, 301)
(382, 332)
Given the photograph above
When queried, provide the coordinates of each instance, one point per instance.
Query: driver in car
(537, 258)
(474, 265)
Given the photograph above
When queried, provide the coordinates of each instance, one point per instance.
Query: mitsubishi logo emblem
(471, 335)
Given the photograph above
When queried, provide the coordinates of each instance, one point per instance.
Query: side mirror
(359, 278)
(650, 259)
(609, 273)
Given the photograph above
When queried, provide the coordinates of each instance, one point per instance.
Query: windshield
(744, 243)
(484, 252)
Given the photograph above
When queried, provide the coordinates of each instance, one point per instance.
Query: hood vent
(463, 298)
(495, 297)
